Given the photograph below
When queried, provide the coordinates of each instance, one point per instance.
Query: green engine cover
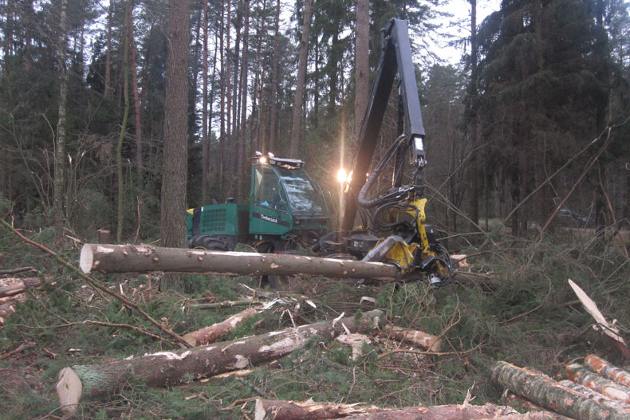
(218, 219)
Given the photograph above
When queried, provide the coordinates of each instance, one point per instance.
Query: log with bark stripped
(454, 412)
(147, 259)
(608, 370)
(171, 368)
(583, 376)
(547, 393)
(16, 285)
(417, 338)
(214, 332)
(307, 410)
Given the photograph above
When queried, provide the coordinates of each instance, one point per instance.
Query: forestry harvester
(287, 207)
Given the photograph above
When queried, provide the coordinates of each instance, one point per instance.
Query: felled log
(308, 410)
(172, 368)
(547, 393)
(214, 332)
(608, 329)
(580, 375)
(608, 370)
(146, 259)
(594, 395)
(417, 338)
(451, 412)
(15, 285)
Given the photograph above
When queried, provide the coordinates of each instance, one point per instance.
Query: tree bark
(110, 13)
(362, 63)
(145, 258)
(13, 286)
(136, 101)
(60, 146)
(607, 370)
(123, 126)
(205, 164)
(174, 175)
(580, 375)
(301, 81)
(243, 124)
(547, 393)
(172, 368)
(306, 410)
(417, 338)
(214, 332)
(273, 114)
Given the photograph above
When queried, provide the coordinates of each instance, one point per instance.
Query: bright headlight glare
(342, 176)
(262, 160)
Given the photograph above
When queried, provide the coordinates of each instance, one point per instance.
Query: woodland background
(87, 137)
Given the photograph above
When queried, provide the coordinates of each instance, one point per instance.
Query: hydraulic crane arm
(395, 61)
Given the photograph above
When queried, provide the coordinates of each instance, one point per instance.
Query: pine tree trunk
(242, 149)
(60, 149)
(273, 114)
(123, 126)
(174, 174)
(362, 64)
(607, 370)
(205, 164)
(301, 81)
(136, 102)
(108, 51)
(146, 258)
(213, 333)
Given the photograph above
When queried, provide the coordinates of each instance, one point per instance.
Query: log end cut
(86, 259)
(69, 390)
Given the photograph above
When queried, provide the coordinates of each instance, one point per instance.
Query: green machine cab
(286, 210)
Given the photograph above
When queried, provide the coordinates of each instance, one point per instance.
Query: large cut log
(308, 410)
(580, 375)
(417, 338)
(214, 332)
(16, 285)
(608, 370)
(453, 412)
(172, 368)
(547, 393)
(147, 259)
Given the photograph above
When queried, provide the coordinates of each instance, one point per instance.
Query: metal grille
(213, 220)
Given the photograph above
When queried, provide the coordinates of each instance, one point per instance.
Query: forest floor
(513, 303)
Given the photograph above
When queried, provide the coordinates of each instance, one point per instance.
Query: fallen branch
(16, 270)
(214, 332)
(92, 282)
(610, 330)
(417, 338)
(171, 368)
(15, 285)
(20, 349)
(549, 394)
(225, 304)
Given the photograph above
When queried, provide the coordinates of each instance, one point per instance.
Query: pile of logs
(595, 390)
(12, 291)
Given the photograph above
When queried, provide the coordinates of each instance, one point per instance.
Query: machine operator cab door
(282, 196)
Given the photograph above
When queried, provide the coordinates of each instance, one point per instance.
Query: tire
(210, 243)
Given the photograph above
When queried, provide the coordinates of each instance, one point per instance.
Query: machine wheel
(210, 243)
